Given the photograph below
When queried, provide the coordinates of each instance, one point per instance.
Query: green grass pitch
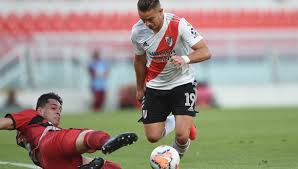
(251, 138)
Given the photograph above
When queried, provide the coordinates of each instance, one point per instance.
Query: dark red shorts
(57, 150)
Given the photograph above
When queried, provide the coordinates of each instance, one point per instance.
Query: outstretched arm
(6, 124)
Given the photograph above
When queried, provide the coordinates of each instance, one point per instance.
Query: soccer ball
(164, 157)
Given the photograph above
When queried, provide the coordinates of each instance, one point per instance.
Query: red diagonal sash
(156, 67)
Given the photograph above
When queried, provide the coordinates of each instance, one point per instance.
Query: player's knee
(153, 139)
(153, 136)
(182, 137)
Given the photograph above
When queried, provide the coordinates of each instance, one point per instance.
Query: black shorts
(158, 104)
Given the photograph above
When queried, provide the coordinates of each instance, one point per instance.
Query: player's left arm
(6, 124)
(194, 39)
(201, 52)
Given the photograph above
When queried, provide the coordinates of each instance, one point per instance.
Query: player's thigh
(57, 145)
(61, 142)
(155, 107)
(183, 125)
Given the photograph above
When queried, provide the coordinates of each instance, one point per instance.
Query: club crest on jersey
(169, 40)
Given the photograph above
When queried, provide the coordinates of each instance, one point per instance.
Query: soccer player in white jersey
(164, 46)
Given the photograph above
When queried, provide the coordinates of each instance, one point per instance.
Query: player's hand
(177, 61)
(140, 95)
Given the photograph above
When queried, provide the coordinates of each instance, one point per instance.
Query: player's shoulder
(176, 18)
(28, 112)
(139, 30)
(138, 25)
(24, 114)
(172, 17)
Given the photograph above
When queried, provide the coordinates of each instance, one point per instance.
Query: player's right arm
(139, 61)
(6, 124)
(140, 70)
(18, 120)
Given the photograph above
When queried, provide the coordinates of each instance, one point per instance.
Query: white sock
(169, 125)
(181, 148)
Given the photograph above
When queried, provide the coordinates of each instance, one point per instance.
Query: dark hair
(43, 99)
(146, 5)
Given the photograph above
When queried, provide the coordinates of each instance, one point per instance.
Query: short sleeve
(137, 48)
(189, 33)
(22, 118)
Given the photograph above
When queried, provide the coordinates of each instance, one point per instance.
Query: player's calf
(181, 148)
(94, 140)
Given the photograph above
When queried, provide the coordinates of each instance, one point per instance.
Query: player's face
(153, 18)
(51, 111)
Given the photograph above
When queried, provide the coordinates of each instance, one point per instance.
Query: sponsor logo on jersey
(145, 44)
(162, 56)
(163, 53)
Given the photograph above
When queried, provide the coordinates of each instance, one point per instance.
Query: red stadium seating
(15, 28)
(57, 22)
(26, 24)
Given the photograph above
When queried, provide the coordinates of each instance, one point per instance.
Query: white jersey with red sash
(176, 37)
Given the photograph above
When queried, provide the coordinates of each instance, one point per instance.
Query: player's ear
(161, 10)
(39, 110)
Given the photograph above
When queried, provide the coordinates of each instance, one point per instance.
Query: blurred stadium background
(46, 45)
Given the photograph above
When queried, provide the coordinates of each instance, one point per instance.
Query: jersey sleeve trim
(196, 41)
(13, 120)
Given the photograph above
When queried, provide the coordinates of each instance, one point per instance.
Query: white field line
(19, 165)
